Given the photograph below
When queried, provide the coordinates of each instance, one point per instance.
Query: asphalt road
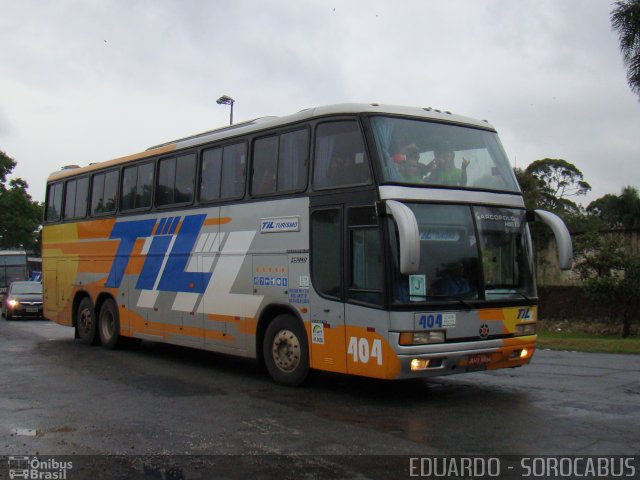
(59, 397)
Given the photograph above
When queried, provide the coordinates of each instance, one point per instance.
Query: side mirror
(409, 236)
(562, 235)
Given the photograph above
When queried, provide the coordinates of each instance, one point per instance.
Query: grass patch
(587, 342)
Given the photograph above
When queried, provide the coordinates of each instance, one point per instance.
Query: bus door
(367, 323)
(326, 292)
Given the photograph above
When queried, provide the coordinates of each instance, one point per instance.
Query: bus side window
(69, 198)
(223, 172)
(292, 161)
(144, 185)
(104, 192)
(210, 168)
(326, 259)
(340, 156)
(137, 184)
(234, 166)
(54, 202)
(185, 179)
(265, 165)
(176, 178)
(110, 191)
(75, 205)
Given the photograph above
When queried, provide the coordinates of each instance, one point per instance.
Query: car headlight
(13, 303)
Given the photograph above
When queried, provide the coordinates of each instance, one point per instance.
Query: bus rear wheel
(285, 350)
(109, 325)
(86, 324)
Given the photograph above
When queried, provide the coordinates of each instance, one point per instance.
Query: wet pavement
(59, 397)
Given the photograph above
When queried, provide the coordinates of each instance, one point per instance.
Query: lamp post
(227, 100)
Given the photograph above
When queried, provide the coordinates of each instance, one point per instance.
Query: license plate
(479, 359)
(31, 309)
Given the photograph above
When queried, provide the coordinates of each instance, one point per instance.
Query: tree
(610, 272)
(20, 216)
(625, 18)
(531, 188)
(7, 164)
(557, 181)
(618, 211)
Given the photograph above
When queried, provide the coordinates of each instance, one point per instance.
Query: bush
(611, 276)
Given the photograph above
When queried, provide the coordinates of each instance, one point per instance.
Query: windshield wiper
(524, 296)
(462, 301)
(459, 299)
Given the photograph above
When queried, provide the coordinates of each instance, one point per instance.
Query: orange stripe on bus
(105, 248)
(136, 259)
(491, 315)
(217, 221)
(95, 229)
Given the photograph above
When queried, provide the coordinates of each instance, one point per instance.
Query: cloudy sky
(89, 80)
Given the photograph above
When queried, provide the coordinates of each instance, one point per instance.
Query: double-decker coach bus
(381, 241)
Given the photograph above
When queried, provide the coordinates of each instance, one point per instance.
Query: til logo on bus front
(524, 314)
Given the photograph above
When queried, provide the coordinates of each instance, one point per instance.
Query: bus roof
(259, 124)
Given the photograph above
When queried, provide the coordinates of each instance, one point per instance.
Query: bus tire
(86, 322)
(285, 350)
(109, 325)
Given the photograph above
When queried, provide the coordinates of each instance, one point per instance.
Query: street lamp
(227, 100)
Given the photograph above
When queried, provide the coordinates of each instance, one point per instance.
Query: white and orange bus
(382, 241)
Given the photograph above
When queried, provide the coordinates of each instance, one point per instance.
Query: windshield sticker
(509, 220)
(440, 235)
(417, 288)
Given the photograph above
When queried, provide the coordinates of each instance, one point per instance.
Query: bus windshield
(456, 263)
(422, 152)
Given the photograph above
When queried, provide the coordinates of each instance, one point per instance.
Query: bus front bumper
(452, 358)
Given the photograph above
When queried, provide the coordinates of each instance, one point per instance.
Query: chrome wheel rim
(286, 350)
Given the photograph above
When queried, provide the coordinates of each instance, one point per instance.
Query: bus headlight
(422, 338)
(525, 329)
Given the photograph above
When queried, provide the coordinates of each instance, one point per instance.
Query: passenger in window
(443, 170)
(412, 170)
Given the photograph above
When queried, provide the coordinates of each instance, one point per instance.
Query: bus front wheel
(86, 324)
(109, 325)
(285, 349)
